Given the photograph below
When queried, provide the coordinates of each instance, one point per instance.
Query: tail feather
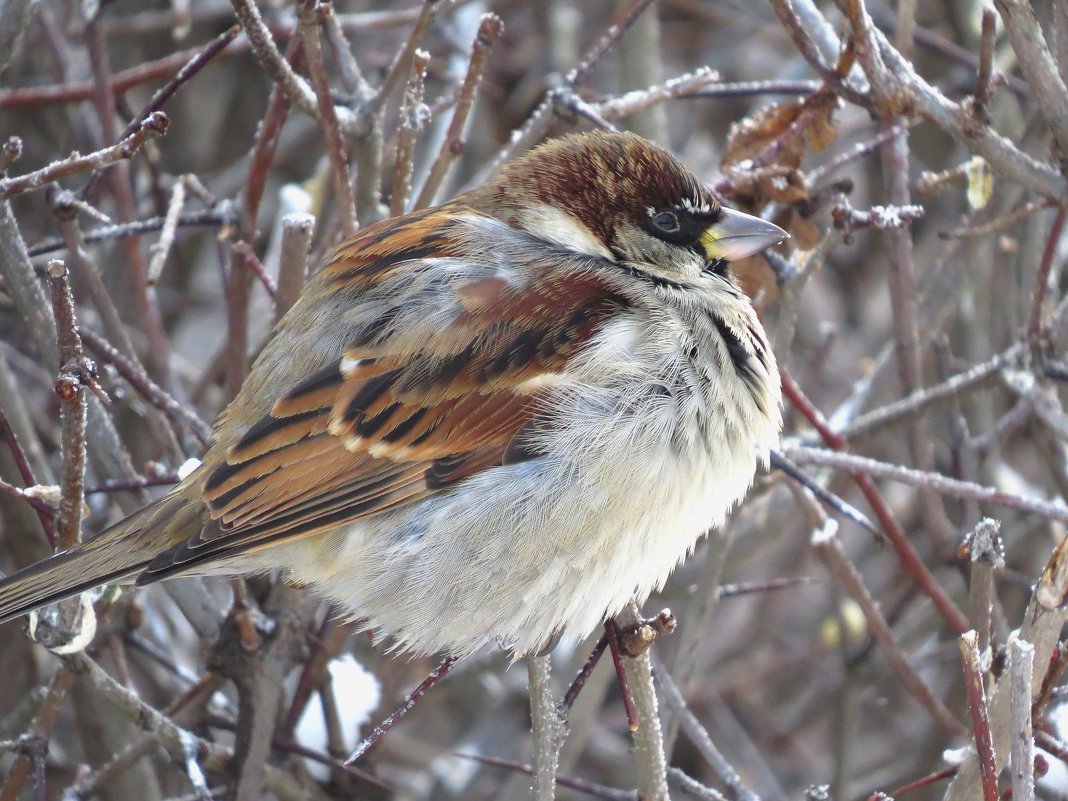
(54, 579)
(121, 551)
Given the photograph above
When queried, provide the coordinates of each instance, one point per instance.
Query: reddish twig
(42, 725)
(1038, 296)
(983, 83)
(924, 781)
(136, 377)
(580, 785)
(584, 674)
(973, 684)
(237, 290)
(263, 151)
(43, 510)
(335, 141)
(104, 102)
(612, 634)
(489, 30)
(410, 700)
(184, 74)
(245, 251)
(907, 555)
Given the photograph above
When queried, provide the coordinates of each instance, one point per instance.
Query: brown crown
(601, 178)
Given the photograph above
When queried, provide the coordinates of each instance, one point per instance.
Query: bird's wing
(396, 417)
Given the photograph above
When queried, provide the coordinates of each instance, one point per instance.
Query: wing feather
(389, 420)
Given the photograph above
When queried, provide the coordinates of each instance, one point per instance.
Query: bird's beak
(737, 235)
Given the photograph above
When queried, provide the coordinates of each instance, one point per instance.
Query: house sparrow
(496, 420)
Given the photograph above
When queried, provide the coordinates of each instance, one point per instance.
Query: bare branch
(548, 728)
(1021, 669)
(1053, 510)
(297, 230)
(702, 741)
(155, 124)
(335, 142)
(414, 117)
(973, 684)
(270, 59)
(489, 29)
(1039, 68)
(650, 759)
(70, 387)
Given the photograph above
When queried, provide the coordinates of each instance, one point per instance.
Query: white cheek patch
(557, 226)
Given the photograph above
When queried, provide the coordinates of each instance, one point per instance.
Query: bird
(492, 422)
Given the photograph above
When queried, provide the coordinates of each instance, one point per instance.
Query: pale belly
(520, 553)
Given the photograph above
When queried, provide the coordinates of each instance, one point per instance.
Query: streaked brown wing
(385, 426)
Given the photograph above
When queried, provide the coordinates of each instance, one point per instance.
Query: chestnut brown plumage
(494, 420)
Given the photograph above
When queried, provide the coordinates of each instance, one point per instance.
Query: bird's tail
(123, 550)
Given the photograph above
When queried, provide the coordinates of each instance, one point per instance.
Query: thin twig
(1021, 668)
(787, 12)
(135, 376)
(612, 634)
(414, 117)
(252, 261)
(910, 560)
(401, 66)
(692, 787)
(155, 124)
(998, 224)
(1053, 510)
(489, 29)
(266, 145)
(162, 248)
(224, 215)
(70, 387)
(121, 183)
(1038, 295)
(43, 722)
(383, 728)
(973, 684)
(328, 116)
(22, 462)
(579, 785)
(701, 82)
(829, 548)
(584, 674)
(365, 134)
(699, 736)
(187, 71)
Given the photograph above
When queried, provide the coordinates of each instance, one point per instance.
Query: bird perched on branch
(493, 421)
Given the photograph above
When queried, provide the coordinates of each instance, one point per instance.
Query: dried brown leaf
(779, 133)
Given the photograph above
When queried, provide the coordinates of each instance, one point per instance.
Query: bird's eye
(667, 221)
